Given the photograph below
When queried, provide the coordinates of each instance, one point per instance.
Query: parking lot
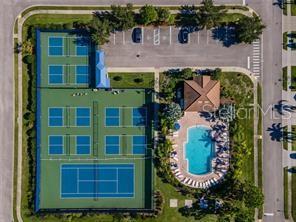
(161, 47)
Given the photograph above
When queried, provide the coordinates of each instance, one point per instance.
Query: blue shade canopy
(102, 80)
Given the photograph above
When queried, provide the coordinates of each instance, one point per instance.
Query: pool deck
(190, 119)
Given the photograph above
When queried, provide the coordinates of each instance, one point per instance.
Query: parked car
(137, 35)
(183, 36)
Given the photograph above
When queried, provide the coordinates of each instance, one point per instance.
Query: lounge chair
(185, 180)
(176, 170)
(178, 173)
(190, 181)
(180, 176)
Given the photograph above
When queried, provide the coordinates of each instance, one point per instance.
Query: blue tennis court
(112, 144)
(56, 145)
(82, 44)
(81, 74)
(55, 74)
(83, 145)
(112, 117)
(97, 180)
(83, 116)
(139, 116)
(139, 145)
(55, 116)
(55, 46)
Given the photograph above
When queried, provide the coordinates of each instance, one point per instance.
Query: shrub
(173, 112)
(117, 78)
(138, 80)
(68, 25)
(28, 59)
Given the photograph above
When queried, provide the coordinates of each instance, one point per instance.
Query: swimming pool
(199, 150)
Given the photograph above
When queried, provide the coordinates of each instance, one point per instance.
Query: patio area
(179, 163)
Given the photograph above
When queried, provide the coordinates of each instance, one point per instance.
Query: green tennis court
(93, 146)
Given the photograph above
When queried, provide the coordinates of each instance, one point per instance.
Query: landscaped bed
(132, 80)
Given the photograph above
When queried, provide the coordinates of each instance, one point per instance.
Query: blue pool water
(199, 150)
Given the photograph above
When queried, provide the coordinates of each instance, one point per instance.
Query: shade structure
(102, 79)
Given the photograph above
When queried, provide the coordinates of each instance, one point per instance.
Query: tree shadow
(293, 155)
(291, 45)
(292, 170)
(276, 132)
(208, 116)
(279, 3)
(281, 107)
(225, 34)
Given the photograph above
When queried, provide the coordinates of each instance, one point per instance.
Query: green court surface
(93, 145)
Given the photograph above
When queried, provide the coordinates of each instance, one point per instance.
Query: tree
(99, 30)
(163, 15)
(244, 215)
(148, 14)
(186, 73)
(188, 16)
(122, 18)
(253, 196)
(209, 14)
(28, 59)
(173, 112)
(249, 29)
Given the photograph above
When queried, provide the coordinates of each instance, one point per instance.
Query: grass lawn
(172, 214)
(286, 211)
(259, 145)
(129, 80)
(294, 194)
(293, 78)
(15, 132)
(231, 17)
(285, 142)
(292, 37)
(43, 19)
(293, 9)
(285, 78)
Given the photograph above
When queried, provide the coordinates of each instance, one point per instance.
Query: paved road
(272, 65)
(272, 88)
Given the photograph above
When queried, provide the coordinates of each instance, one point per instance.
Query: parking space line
(114, 38)
(207, 37)
(123, 38)
(198, 37)
(156, 36)
(170, 35)
(142, 35)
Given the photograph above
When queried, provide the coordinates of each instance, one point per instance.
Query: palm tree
(209, 14)
(249, 29)
(100, 30)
